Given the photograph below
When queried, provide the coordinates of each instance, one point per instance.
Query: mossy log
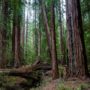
(28, 70)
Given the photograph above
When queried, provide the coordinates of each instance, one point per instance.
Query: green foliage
(29, 53)
(62, 87)
(86, 25)
(83, 87)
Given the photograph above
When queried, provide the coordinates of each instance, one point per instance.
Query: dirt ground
(70, 84)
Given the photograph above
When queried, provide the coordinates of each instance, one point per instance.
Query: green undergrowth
(8, 82)
(63, 87)
(45, 81)
(84, 87)
(71, 86)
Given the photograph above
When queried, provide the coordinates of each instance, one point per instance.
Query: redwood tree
(46, 25)
(55, 72)
(69, 38)
(1, 29)
(3, 32)
(16, 34)
(51, 38)
(76, 47)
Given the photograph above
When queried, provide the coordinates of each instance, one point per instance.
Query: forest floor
(68, 85)
(11, 83)
(61, 84)
(39, 81)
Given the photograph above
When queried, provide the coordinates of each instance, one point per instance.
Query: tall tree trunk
(1, 29)
(69, 38)
(39, 44)
(36, 31)
(16, 37)
(80, 53)
(51, 39)
(4, 32)
(23, 35)
(39, 32)
(48, 36)
(55, 72)
(27, 34)
(76, 47)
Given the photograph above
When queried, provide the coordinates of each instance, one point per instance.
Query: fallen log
(27, 71)
(31, 73)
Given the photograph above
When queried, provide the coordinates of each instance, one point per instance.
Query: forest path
(69, 84)
(52, 85)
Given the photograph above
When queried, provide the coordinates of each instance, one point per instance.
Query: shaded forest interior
(42, 40)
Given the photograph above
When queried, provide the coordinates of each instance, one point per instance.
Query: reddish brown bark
(69, 37)
(16, 38)
(4, 33)
(51, 39)
(55, 72)
(80, 54)
(48, 36)
(0, 34)
(76, 47)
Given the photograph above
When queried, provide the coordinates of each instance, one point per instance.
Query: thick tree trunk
(0, 33)
(51, 39)
(55, 72)
(17, 46)
(3, 33)
(76, 47)
(1, 47)
(16, 37)
(80, 53)
(69, 38)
